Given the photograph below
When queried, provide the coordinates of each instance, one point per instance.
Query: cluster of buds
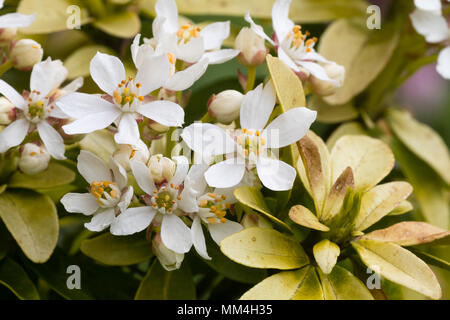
(252, 48)
(161, 168)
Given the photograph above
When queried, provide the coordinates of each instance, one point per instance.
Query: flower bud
(325, 88)
(7, 35)
(34, 159)
(161, 168)
(6, 111)
(169, 259)
(26, 53)
(125, 153)
(251, 220)
(226, 106)
(252, 48)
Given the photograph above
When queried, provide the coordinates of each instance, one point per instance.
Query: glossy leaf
(100, 142)
(326, 254)
(55, 175)
(78, 63)
(346, 129)
(329, 113)
(125, 24)
(16, 279)
(304, 217)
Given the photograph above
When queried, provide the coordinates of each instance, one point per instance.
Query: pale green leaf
(432, 260)
(304, 217)
(326, 254)
(328, 113)
(346, 129)
(16, 279)
(55, 175)
(78, 63)
(125, 24)
(404, 207)
(101, 143)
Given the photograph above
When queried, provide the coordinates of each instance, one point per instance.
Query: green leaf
(56, 175)
(300, 284)
(160, 284)
(431, 259)
(326, 254)
(422, 140)
(51, 15)
(328, 113)
(346, 129)
(264, 248)
(341, 284)
(118, 250)
(101, 143)
(32, 220)
(253, 198)
(404, 207)
(16, 279)
(398, 265)
(125, 24)
(364, 54)
(78, 63)
(304, 217)
(3, 188)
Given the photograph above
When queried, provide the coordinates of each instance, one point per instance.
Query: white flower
(128, 103)
(125, 153)
(251, 46)
(429, 5)
(433, 26)
(34, 111)
(161, 168)
(187, 42)
(34, 159)
(293, 47)
(247, 148)
(162, 207)
(15, 20)
(108, 194)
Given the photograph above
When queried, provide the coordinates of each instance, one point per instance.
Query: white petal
(92, 168)
(143, 177)
(84, 203)
(443, 63)
(195, 180)
(225, 174)
(183, 80)
(13, 134)
(74, 85)
(47, 76)
(56, 112)
(317, 71)
(214, 34)
(198, 238)
(257, 28)
(221, 56)
(168, 9)
(175, 234)
(287, 60)
(289, 127)
(192, 51)
(132, 220)
(128, 130)
(166, 113)
(153, 73)
(257, 106)
(16, 20)
(181, 170)
(107, 72)
(92, 122)
(429, 5)
(432, 26)
(188, 202)
(119, 173)
(101, 220)
(280, 19)
(208, 139)
(52, 140)
(135, 48)
(78, 105)
(12, 95)
(220, 231)
(274, 174)
(125, 200)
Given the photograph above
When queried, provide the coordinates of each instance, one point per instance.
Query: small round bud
(254, 220)
(253, 50)
(6, 111)
(7, 35)
(125, 153)
(226, 106)
(161, 168)
(325, 88)
(169, 259)
(34, 159)
(26, 53)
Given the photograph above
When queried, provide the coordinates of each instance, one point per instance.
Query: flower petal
(183, 80)
(191, 51)
(84, 203)
(13, 134)
(143, 177)
(12, 95)
(153, 73)
(181, 170)
(52, 140)
(168, 9)
(317, 71)
(221, 56)
(175, 234)
(431, 25)
(101, 220)
(274, 174)
(220, 231)
(287, 60)
(78, 105)
(125, 200)
(257, 106)
(119, 173)
(107, 72)
(92, 168)
(47, 76)
(282, 25)
(214, 34)
(257, 28)
(289, 127)
(429, 5)
(73, 86)
(132, 220)
(443, 63)
(198, 238)
(93, 122)
(225, 174)
(128, 130)
(166, 113)
(16, 20)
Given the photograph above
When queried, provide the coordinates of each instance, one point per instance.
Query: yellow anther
(213, 208)
(203, 203)
(138, 85)
(172, 58)
(126, 91)
(223, 220)
(212, 195)
(167, 197)
(228, 206)
(141, 98)
(179, 197)
(113, 194)
(296, 28)
(212, 220)
(263, 141)
(224, 197)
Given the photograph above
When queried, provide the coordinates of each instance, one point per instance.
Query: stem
(5, 67)
(367, 120)
(206, 118)
(250, 79)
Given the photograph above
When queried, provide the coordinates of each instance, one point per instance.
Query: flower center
(213, 208)
(187, 32)
(107, 193)
(251, 144)
(38, 108)
(299, 40)
(127, 96)
(165, 199)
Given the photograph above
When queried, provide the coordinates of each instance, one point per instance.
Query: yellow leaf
(346, 129)
(326, 254)
(404, 207)
(100, 142)
(264, 248)
(336, 196)
(328, 113)
(380, 201)
(78, 63)
(125, 24)
(302, 216)
(398, 265)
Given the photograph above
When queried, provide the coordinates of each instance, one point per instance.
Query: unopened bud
(6, 111)
(7, 35)
(26, 53)
(226, 106)
(169, 259)
(251, 220)
(168, 95)
(126, 153)
(252, 48)
(325, 88)
(161, 168)
(157, 128)
(34, 159)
